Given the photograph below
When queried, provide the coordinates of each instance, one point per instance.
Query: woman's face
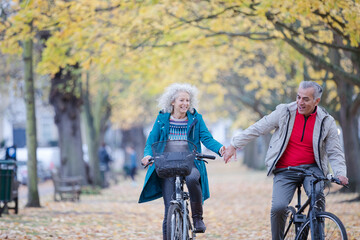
(181, 103)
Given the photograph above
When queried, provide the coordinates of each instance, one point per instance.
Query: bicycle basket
(173, 158)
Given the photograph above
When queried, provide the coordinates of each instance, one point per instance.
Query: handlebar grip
(337, 181)
(151, 161)
(206, 156)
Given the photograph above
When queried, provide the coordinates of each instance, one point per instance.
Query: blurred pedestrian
(104, 161)
(133, 162)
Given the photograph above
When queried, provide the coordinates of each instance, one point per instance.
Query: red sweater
(299, 150)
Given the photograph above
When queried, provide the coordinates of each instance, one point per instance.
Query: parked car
(22, 172)
(47, 159)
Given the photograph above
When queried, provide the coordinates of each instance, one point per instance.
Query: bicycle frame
(314, 218)
(299, 217)
(312, 209)
(181, 198)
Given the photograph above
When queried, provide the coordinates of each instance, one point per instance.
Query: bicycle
(322, 225)
(175, 160)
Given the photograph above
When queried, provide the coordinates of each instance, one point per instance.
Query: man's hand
(343, 180)
(229, 152)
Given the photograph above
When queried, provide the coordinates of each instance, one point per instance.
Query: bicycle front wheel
(331, 228)
(289, 233)
(174, 225)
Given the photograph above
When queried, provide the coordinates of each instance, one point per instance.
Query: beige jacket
(326, 141)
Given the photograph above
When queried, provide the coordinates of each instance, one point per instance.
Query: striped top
(178, 128)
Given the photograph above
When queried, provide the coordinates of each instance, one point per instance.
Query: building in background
(13, 125)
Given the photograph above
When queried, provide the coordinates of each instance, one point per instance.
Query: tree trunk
(67, 119)
(31, 140)
(348, 121)
(96, 118)
(92, 140)
(255, 152)
(350, 126)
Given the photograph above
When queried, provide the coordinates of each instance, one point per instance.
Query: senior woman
(178, 120)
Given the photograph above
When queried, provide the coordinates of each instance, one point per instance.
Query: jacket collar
(321, 113)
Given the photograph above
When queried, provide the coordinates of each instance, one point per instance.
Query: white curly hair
(171, 93)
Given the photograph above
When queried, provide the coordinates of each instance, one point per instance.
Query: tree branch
(199, 19)
(295, 33)
(107, 9)
(320, 62)
(325, 16)
(350, 78)
(248, 35)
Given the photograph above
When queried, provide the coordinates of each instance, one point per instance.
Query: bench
(66, 188)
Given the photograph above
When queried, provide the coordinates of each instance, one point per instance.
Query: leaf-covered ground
(238, 209)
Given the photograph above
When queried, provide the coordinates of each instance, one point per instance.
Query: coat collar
(165, 116)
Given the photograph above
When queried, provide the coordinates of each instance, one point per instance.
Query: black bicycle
(175, 158)
(315, 225)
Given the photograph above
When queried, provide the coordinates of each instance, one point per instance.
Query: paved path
(238, 209)
(45, 189)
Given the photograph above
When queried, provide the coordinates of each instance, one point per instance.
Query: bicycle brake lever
(149, 163)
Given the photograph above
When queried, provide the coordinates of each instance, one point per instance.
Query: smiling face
(181, 104)
(305, 101)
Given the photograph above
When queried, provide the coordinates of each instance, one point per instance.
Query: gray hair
(309, 84)
(171, 93)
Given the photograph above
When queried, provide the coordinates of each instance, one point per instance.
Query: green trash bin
(8, 185)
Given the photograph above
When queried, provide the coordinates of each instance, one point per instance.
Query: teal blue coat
(197, 132)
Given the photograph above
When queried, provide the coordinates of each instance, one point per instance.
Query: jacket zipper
(303, 133)
(321, 127)
(191, 126)
(282, 146)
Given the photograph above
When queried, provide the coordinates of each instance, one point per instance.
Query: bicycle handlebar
(319, 178)
(200, 156)
(151, 161)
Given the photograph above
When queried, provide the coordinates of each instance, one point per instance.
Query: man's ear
(317, 101)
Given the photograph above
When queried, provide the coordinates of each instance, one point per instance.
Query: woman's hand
(145, 160)
(222, 151)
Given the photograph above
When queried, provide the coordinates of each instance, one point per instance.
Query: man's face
(305, 101)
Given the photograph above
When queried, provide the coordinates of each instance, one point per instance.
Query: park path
(238, 209)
